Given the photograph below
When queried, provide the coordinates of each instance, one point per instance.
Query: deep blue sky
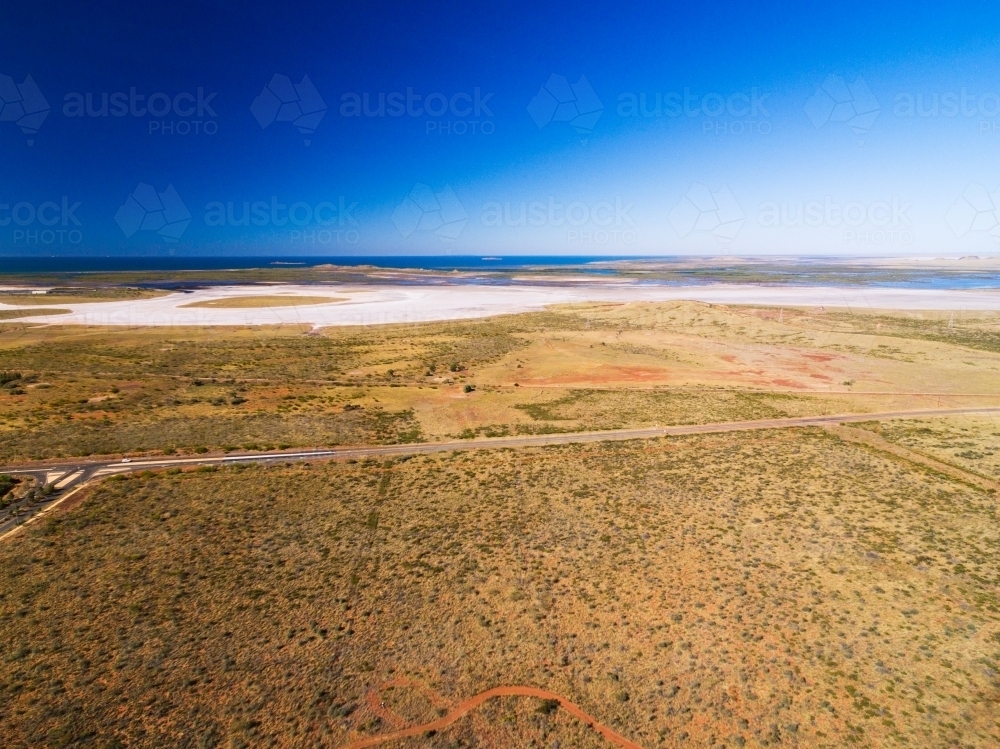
(666, 183)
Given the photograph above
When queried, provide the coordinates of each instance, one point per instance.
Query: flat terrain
(109, 391)
(70, 295)
(968, 442)
(747, 589)
(802, 586)
(15, 314)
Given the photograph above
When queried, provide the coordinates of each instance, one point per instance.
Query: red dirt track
(467, 705)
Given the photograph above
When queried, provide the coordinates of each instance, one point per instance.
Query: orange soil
(466, 706)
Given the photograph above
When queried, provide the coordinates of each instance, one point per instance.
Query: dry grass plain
(99, 391)
(779, 588)
(755, 589)
(76, 295)
(14, 314)
(970, 443)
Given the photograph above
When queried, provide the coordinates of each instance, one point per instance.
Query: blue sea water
(56, 264)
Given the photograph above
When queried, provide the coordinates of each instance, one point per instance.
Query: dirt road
(66, 477)
(467, 705)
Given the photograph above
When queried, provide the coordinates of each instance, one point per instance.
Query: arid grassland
(108, 391)
(780, 588)
(968, 442)
(14, 314)
(69, 295)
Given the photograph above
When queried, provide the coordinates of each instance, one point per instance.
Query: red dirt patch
(604, 376)
(786, 383)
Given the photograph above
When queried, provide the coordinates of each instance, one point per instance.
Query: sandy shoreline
(373, 305)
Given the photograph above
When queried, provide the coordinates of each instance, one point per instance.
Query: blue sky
(650, 129)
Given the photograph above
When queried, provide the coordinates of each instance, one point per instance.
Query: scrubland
(94, 391)
(775, 588)
(75, 295)
(754, 589)
(14, 314)
(971, 443)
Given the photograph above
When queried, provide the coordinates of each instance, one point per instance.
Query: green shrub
(548, 707)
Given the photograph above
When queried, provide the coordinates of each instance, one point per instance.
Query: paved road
(65, 477)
